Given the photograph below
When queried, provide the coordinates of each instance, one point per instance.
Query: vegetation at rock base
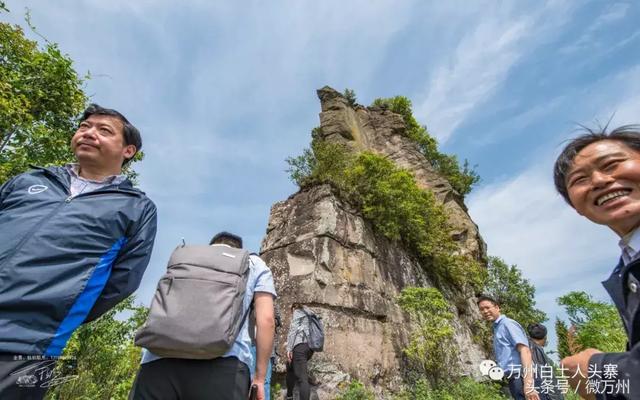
(463, 388)
(389, 197)
(515, 293)
(462, 178)
(592, 324)
(431, 351)
(355, 391)
(106, 360)
(41, 96)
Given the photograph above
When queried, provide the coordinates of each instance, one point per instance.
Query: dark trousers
(224, 378)
(297, 371)
(25, 379)
(516, 388)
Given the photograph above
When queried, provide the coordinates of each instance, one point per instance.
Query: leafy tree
(106, 361)
(596, 323)
(462, 178)
(40, 97)
(515, 293)
(431, 349)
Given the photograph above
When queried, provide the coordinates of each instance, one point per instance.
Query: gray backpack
(197, 310)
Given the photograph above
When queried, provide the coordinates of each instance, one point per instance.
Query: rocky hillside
(325, 255)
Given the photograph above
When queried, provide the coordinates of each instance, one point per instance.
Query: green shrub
(390, 199)
(355, 391)
(597, 324)
(464, 388)
(462, 178)
(431, 350)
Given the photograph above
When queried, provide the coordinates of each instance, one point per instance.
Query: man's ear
(129, 151)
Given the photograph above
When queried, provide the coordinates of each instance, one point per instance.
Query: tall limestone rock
(325, 255)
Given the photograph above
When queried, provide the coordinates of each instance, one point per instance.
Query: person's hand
(289, 356)
(577, 366)
(531, 394)
(260, 391)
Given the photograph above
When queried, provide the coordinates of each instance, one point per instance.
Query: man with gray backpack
(306, 336)
(196, 338)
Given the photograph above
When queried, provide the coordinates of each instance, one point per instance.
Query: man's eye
(611, 165)
(578, 180)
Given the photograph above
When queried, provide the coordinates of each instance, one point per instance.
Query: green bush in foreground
(464, 388)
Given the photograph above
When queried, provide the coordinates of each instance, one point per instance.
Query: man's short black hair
(227, 238)
(487, 298)
(629, 135)
(537, 331)
(130, 133)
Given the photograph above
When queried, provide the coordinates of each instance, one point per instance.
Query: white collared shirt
(630, 246)
(83, 185)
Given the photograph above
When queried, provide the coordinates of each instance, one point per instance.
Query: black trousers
(224, 378)
(297, 371)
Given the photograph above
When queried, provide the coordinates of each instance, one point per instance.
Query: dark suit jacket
(624, 288)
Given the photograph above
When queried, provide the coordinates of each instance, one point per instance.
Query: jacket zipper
(67, 200)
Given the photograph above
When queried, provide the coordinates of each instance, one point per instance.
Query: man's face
(604, 185)
(99, 142)
(489, 311)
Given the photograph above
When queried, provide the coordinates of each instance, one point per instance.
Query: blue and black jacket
(64, 260)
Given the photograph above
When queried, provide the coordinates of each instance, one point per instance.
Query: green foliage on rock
(40, 97)
(355, 391)
(464, 388)
(106, 359)
(350, 95)
(389, 197)
(597, 323)
(461, 177)
(431, 351)
(515, 294)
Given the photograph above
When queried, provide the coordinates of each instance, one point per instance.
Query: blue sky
(223, 92)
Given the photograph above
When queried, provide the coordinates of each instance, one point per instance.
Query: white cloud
(480, 62)
(589, 37)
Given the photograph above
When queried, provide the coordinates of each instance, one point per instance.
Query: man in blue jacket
(598, 174)
(74, 241)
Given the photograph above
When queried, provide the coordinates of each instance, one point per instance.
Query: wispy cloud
(480, 62)
(588, 38)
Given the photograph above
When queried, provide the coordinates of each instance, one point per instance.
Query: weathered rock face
(325, 255)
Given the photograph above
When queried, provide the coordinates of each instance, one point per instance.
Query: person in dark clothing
(598, 174)
(545, 375)
(75, 240)
(298, 354)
